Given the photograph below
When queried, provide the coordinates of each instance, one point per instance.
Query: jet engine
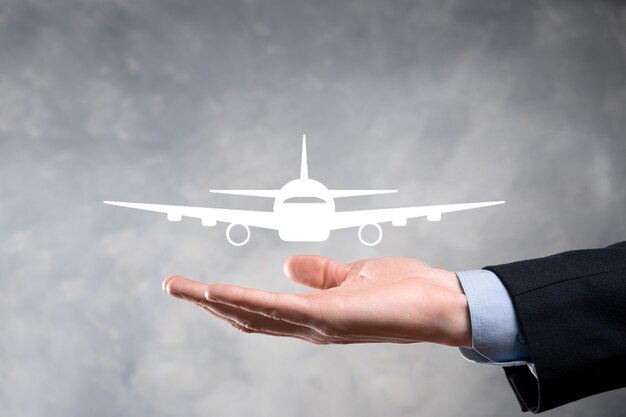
(174, 217)
(374, 242)
(433, 217)
(234, 242)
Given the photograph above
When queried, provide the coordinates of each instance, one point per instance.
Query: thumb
(316, 271)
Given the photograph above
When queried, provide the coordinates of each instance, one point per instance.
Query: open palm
(393, 299)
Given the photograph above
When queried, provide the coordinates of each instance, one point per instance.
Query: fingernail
(166, 282)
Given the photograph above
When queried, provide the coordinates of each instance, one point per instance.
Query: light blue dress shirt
(496, 335)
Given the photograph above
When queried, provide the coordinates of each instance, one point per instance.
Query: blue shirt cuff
(496, 335)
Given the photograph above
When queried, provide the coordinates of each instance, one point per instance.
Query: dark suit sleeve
(572, 310)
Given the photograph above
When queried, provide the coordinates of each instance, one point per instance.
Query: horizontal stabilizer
(249, 193)
(358, 193)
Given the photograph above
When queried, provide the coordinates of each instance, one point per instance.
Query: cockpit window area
(307, 200)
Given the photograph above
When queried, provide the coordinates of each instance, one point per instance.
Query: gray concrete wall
(159, 101)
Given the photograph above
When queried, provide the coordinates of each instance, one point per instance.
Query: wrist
(461, 326)
(457, 327)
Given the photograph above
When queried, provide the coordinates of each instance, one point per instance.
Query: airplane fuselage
(304, 208)
(304, 222)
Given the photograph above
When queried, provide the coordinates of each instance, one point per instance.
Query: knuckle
(327, 330)
(274, 314)
(325, 274)
(315, 337)
(243, 326)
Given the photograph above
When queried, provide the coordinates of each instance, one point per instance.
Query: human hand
(397, 300)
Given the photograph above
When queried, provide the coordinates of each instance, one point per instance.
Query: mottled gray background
(158, 101)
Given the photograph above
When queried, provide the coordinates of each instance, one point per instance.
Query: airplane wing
(399, 216)
(209, 216)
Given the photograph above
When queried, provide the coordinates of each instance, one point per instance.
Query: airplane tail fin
(304, 175)
(304, 166)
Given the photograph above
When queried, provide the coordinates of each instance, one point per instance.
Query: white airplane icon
(304, 211)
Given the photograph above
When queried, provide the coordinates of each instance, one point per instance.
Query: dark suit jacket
(572, 310)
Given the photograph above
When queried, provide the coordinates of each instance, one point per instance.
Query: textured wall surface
(159, 101)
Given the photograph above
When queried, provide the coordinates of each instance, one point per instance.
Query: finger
(256, 323)
(280, 306)
(316, 271)
(177, 285)
(243, 320)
